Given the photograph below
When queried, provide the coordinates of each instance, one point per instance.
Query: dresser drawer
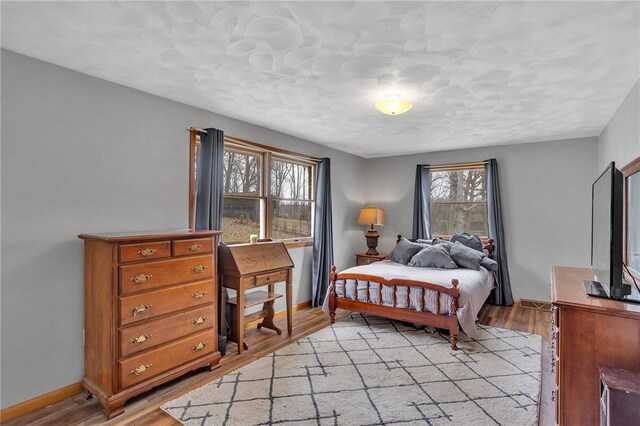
(149, 275)
(143, 366)
(153, 333)
(190, 247)
(144, 251)
(363, 260)
(151, 304)
(273, 277)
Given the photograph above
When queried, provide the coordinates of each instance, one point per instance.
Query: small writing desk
(247, 266)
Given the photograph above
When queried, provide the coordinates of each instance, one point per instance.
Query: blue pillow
(489, 264)
(466, 257)
(471, 241)
(404, 251)
(433, 257)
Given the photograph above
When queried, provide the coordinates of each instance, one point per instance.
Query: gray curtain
(322, 234)
(210, 195)
(210, 189)
(422, 203)
(502, 294)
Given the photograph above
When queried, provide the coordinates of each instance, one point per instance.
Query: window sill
(290, 244)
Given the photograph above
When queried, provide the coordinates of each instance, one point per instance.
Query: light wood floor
(144, 410)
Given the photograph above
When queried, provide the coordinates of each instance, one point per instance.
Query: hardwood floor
(144, 410)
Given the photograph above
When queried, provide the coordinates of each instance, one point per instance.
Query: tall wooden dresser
(587, 332)
(150, 311)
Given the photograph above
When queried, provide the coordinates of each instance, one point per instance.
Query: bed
(441, 298)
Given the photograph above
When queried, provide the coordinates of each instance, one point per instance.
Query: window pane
(241, 173)
(458, 185)
(240, 219)
(290, 180)
(291, 219)
(447, 219)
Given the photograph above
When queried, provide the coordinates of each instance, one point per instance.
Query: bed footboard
(448, 321)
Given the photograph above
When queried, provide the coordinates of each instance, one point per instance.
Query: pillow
(489, 264)
(445, 243)
(433, 257)
(471, 241)
(466, 257)
(404, 251)
(424, 242)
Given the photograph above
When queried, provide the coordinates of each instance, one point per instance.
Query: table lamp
(371, 216)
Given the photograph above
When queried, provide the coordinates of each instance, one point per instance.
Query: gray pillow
(404, 251)
(466, 257)
(489, 264)
(471, 241)
(445, 243)
(433, 257)
(424, 242)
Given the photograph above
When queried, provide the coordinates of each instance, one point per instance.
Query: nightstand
(365, 259)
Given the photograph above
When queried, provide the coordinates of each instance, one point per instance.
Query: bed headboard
(487, 243)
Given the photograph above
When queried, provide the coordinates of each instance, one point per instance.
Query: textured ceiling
(478, 73)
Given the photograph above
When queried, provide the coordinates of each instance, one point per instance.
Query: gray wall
(620, 139)
(546, 195)
(82, 155)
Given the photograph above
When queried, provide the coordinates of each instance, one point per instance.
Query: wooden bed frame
(447, 321)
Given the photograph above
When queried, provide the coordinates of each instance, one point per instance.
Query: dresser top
(567, 290)
(148, 235)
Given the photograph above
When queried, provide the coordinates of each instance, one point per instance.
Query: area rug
(365, 370)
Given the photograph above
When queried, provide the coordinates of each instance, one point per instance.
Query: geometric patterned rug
(366, 370)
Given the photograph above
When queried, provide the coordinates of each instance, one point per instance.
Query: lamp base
(372, 241)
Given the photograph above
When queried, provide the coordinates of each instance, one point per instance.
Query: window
(459, 200)
(267, 192)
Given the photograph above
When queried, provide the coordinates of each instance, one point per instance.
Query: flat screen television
(606, 238)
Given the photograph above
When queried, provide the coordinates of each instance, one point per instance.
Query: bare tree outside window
(241, 211)
(459, 202)
(291, 199)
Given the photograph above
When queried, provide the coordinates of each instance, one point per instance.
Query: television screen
(601, 231)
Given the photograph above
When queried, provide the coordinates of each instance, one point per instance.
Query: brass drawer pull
(140, 309)
(199, 294)
(194, 247)
(141, 370)
(147, 252)
(200, 346)
(140, 339)
(141, 279)
(199, 320)
(199, 269)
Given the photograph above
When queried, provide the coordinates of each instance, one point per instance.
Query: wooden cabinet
(587, 332)
(619, 397)
(365, 259)
(246, 266)
(150, 311)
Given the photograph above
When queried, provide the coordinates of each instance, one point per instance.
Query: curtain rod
(195, 129)
(457, 165)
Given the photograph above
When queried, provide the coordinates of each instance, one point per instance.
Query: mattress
(474, 287)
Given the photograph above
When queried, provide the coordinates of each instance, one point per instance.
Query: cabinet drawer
(189, 247)
(149, 364)
(144, 251)
(153, 333)
(363, 260)
(149, 275)
(143, 306)
(273, 277)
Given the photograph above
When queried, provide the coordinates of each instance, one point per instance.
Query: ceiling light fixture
(393, 105)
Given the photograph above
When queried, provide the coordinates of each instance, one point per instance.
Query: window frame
(266, 154)
(454, 168)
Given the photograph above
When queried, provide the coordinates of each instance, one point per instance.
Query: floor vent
(535, 304)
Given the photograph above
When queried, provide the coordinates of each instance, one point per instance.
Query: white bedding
(474, 287)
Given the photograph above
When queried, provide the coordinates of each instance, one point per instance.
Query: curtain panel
(210, 189)
(501, 295)
(422, 203)
(322, 234)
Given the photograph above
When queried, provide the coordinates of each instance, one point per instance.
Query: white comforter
(474, 287)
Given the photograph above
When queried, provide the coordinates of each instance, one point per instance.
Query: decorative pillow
(433, 257)
(471, 241)
(466, 257)
(427, 242)
(404, 251)
(489, 264)
(445, 243)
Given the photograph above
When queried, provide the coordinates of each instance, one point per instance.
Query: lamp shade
(371, 216)
(393, 106)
